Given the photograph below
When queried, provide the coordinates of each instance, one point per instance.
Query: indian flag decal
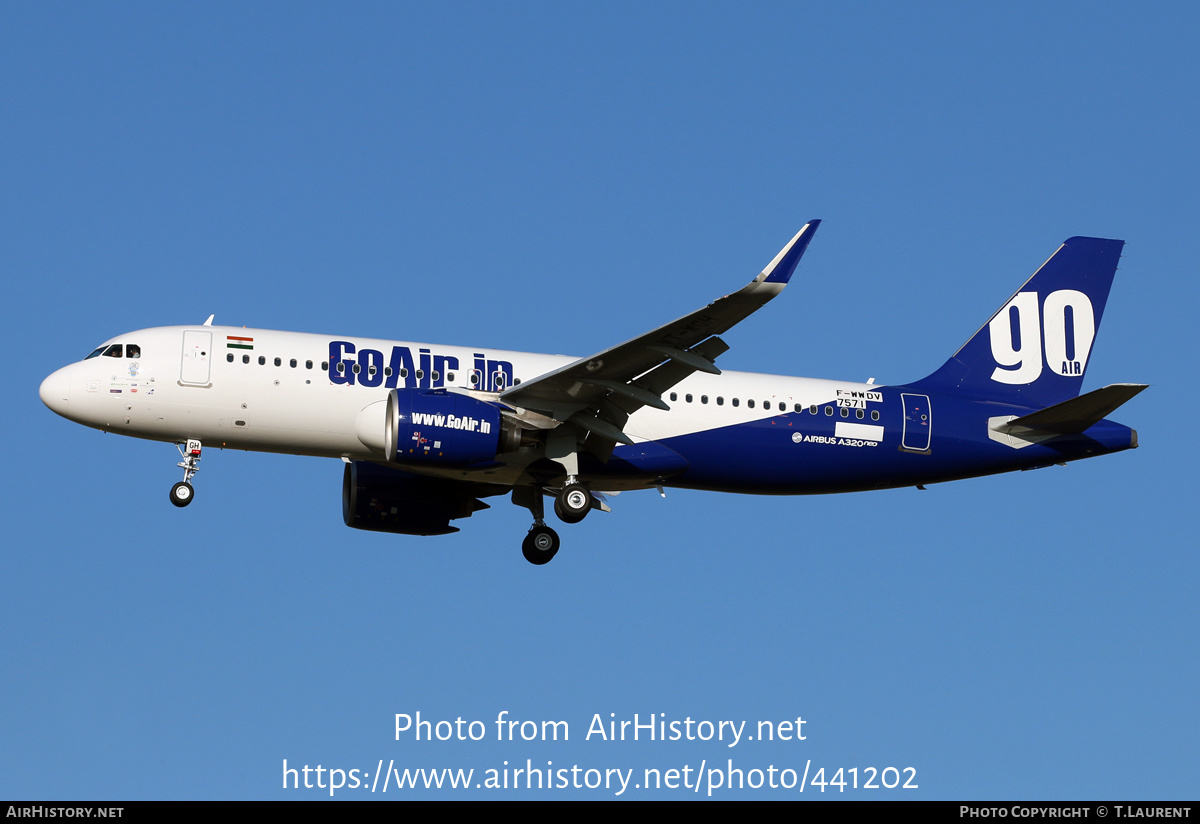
(234, 342)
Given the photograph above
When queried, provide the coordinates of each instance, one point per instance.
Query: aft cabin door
(197, 357)
(918, 422)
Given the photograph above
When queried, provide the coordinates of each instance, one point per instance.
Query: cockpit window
(115, 351)
(96, 353)
(133, 351)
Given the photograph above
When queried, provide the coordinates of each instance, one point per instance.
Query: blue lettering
(423, 374)
(402, 371)
(499, 375)
(442, 363)
(338, 348)
(479, 373)
(401, 361)
(370, 362)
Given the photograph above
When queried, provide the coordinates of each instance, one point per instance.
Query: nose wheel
(182, 493)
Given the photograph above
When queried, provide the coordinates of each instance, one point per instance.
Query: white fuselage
(272, 391)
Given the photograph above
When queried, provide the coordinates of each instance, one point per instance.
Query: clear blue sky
(560, 177)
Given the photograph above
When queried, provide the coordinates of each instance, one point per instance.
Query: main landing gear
(182, 493)
(571, 505)
(540, 545)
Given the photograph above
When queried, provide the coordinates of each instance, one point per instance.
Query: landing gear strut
(182, 493)
(541, 544)
(571, 504)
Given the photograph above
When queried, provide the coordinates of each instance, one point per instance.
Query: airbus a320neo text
(428, 432)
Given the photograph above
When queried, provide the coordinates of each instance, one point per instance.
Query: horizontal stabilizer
(1081, 413)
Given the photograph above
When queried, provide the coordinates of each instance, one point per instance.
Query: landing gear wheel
(567, 517)
(573, 503)
(540, 545)
(182, 493)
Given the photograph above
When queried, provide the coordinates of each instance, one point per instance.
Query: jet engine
(434, 427)
(381, 499)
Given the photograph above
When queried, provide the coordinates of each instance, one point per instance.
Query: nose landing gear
(182, 493)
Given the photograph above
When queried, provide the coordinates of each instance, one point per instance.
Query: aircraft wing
(598, 393)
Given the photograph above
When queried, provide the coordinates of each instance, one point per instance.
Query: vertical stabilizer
(1036, 347)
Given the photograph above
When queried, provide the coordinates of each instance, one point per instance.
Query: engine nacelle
(380, 499)
(439, 428)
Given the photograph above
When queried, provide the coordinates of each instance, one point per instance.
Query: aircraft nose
(56, 391)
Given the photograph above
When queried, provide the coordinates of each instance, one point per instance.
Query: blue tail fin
(1036, 347)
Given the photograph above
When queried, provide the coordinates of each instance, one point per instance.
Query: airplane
(427, 432)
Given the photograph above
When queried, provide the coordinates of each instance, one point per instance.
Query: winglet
(781, 268)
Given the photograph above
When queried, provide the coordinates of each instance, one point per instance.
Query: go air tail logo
(1066, 324)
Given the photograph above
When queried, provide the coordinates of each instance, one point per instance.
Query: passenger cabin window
(229, 357)
(262, 360)
(245, 358)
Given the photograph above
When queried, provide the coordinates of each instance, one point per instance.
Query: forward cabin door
(196, 361)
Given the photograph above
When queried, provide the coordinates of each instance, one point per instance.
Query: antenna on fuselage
(210, 320)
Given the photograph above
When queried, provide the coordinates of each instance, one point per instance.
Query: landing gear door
(197, 358)
(918, 422)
